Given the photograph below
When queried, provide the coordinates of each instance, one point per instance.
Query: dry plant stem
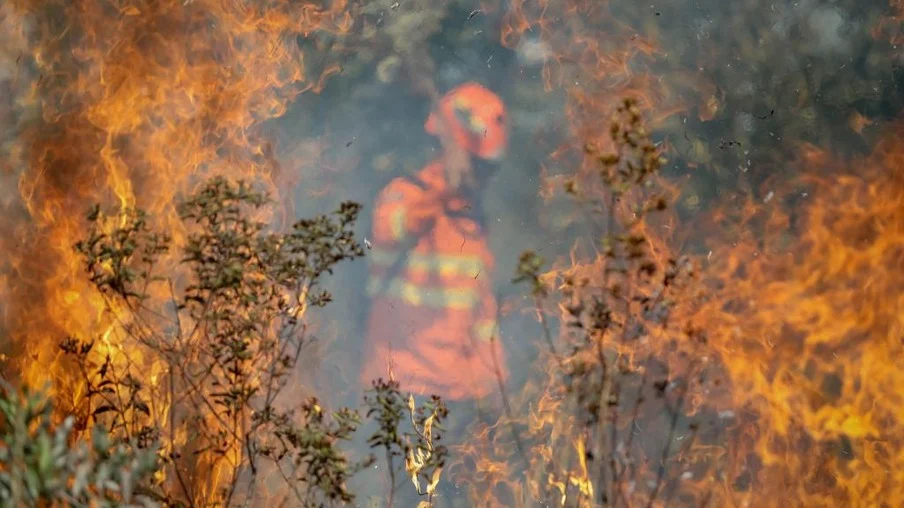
(690, 442)
(120, 407)
(505, 402)
(602, 417)
(236, 468)
(172, 430)
(285, 477)
(189, 495)
(673, 426)
(613, 429)
(604, 369)
(635, 414)
(392, 477)
(547, 334)
(613, 439)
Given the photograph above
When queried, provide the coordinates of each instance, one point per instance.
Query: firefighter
(433, 313)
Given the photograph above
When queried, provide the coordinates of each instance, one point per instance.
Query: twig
(236, 468)
(694, 430)
(673, 426)
(505, 399)
(291, 483)
(604, 364)
(392, 478)
(635, 413)
(172, 427)
(547, 334)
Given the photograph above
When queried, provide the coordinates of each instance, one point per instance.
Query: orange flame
(807, 324)
(800, 316)
(138, 103)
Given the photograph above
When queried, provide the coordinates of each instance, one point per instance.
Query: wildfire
(776, 380)
(807, 323)
(598, 62)
(800, 320)
(785, 390)
(138, 103)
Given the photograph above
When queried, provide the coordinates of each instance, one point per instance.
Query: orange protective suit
(433, 312)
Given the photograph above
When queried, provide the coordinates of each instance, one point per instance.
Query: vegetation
(617, 308)
(423, 457)
(42, 463)
(186, 393)
(743, 94)
(188, 387)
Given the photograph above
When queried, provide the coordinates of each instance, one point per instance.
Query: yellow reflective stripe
(412, 294)
(397, 223)
(478, 126)
(445, 265)
(484, 329)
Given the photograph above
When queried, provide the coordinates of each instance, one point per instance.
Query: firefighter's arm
(403, 210)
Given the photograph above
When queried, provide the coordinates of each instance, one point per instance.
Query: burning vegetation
(716, 331)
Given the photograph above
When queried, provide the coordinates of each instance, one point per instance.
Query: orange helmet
(476, 119)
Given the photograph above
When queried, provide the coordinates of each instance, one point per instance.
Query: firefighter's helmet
(475, 118)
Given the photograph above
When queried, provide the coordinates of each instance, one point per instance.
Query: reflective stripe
(477, 126)
(484, 330)
(412, 294)
(445, 265)
(397, 223)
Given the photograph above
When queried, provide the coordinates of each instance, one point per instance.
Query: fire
(793, 391)
(807, 324)
(789, 355)
(596, 62)
(138, 103)
(798, 363)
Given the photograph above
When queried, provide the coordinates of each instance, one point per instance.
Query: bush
(200, 349)
(43, 465)
(604, 372)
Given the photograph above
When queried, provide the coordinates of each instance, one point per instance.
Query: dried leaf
(102, 410)
(428, 428)
(141, 406)
(412, 468)
(434, 480)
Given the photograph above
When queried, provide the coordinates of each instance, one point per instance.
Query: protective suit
(433, 312)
